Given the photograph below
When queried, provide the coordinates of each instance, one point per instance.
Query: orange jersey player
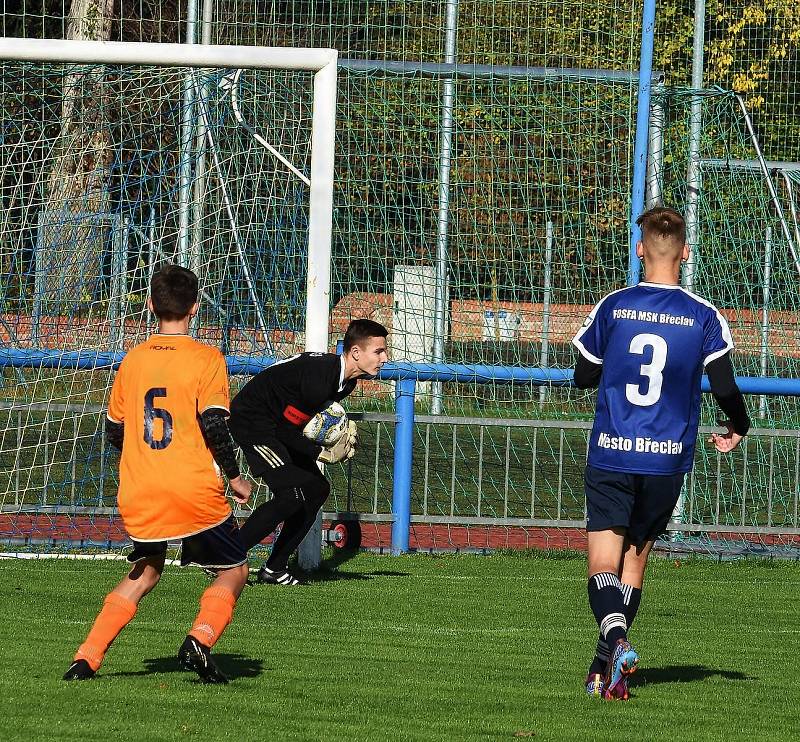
(167, 414)
(169, 484)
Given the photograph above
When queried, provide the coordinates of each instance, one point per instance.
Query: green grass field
(412, 648)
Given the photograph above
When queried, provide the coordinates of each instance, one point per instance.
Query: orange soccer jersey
(169, 484)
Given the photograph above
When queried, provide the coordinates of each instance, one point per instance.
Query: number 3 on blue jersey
(652, 371)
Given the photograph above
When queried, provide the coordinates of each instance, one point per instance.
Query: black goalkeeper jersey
(278, 402)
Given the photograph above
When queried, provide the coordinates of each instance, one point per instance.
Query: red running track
(109, 530)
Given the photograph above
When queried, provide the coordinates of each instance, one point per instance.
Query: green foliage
(750, 47)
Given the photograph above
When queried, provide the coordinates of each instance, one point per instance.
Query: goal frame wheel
(349, 532)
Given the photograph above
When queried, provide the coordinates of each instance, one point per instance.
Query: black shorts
(219, 547)
(279, 469)
(640, 503)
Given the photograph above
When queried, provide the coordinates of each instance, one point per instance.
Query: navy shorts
(220, 547)
(640, 503)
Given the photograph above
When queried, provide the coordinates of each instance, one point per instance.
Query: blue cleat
(622, 663)
(595, 685)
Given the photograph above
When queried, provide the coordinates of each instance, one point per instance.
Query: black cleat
(266, 576)
(79, 670)
(196, 656)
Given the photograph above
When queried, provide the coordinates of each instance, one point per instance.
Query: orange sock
(116, 613)
(216, 611)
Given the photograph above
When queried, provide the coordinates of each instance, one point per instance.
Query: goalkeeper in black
(267, 420)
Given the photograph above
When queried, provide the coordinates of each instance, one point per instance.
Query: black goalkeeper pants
(299, 490)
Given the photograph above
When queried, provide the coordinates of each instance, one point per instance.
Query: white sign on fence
(501, 325)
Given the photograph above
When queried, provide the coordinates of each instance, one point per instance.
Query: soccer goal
(115, 157)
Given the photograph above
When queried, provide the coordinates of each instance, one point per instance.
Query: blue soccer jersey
(653, 341)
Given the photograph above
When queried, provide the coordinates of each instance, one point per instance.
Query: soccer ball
(328, 426)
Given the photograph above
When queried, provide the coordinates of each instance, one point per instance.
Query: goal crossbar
(165, 55)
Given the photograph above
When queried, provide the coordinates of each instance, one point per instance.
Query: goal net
(115, 158)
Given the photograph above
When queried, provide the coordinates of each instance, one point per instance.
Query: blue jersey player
(645, 348)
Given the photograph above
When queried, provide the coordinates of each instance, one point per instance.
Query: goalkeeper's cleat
(267, 576)
(595, 685)
(79, 670)
(622, 663)
(197, 657)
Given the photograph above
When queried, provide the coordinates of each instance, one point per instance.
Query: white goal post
(318, 183)
(320, 61)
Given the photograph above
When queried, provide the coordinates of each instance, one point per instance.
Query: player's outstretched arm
(215, 429)
(731, 402)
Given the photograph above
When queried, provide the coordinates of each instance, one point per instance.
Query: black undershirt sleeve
(727, 394)
(115, 433)
(587, 374)
(215, 429)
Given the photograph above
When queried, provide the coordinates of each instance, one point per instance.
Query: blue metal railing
(406, 376)
(11, 357)
(405, 394)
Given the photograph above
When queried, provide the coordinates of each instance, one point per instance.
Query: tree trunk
(75, 220)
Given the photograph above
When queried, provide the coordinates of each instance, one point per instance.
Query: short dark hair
(362, 329)
(663, 223)
(173, 291)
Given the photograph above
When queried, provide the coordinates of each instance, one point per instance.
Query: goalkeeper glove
(343, 449)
